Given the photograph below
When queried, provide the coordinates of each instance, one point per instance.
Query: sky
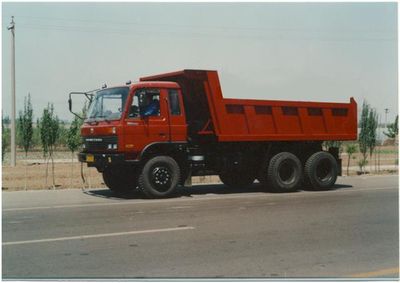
(280, 51)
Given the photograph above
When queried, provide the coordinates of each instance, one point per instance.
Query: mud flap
(339, 161)
(335, 152)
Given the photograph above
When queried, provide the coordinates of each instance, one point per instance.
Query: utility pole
(386, 112)
(11, 27)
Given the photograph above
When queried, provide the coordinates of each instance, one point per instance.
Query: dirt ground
(384, 155)
(68, 175)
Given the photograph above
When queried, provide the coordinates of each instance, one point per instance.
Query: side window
(173, 99)
(146, 102)
(134, 109)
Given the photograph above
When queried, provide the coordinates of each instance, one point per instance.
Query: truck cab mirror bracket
(88, 95)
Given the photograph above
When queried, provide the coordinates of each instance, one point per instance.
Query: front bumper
(101, 160)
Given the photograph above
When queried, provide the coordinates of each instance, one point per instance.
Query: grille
(99, 143)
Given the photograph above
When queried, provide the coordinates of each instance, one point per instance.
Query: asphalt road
(351, 231)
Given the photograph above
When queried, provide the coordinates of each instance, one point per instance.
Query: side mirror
(70, 105)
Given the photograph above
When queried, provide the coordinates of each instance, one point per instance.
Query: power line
(230, 27)
(197, 33)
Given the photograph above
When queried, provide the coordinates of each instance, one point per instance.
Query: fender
(176, 147)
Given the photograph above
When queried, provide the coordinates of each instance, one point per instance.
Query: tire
(159, 177)
(284, 173)
(120, 179)
(237, 180)
(321, 170)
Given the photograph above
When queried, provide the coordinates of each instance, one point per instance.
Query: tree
(25, 125)
(5, 136)
(6, 120)
(36, 135)
(393, 129)
(63, 135)
(363, 136)
(328, 144)
(49, 131)
(372, 126)
(362, 163)
(350, 150)
(367, 136)
(74, 140)
(25, 129)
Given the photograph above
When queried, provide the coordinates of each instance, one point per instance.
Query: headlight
(112, 146)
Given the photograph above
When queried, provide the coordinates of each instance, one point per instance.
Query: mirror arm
(70, 105)
(78, 116)
(89, 97)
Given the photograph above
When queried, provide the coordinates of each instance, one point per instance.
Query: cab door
(147, 120)
(178, 127)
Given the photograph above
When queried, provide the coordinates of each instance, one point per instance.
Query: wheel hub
(286, 172)
(161, 176)
(324, 170)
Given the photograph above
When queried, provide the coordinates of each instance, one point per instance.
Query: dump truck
(155, 134)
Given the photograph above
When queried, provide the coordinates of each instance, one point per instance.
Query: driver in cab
(151, 106)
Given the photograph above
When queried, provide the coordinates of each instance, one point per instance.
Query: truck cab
(121, 121)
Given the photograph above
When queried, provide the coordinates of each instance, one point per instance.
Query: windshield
(108, 104)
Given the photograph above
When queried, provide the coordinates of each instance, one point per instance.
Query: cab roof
(148, 84)
(156, 84)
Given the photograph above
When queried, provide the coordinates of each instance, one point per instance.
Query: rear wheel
(237, 180)
(160, 177)
(284, 173)
(120, 179)
(321, 170)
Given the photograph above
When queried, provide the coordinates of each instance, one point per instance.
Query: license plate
(90, 158)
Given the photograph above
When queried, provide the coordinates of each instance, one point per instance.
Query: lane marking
(81, 237)
(14, 222)
(387, 271)
(214, 197)
(181, 207)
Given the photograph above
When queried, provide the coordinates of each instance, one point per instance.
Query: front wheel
(160, 177)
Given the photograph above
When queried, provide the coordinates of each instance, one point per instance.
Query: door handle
(162, 134)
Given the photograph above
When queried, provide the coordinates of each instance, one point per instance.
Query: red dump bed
(208, 113)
